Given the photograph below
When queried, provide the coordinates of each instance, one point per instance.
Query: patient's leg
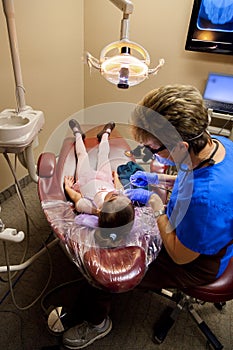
(103, 162)
(83, 165)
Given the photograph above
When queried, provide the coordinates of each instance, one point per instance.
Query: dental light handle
(8, 7)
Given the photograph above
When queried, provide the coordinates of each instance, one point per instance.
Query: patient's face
(111, 196)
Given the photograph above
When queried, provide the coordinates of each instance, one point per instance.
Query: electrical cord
(18, 187)
(19, 276)
(28, 218)
(22, 308)
(22, 201)
(55, 289)
(224, 125)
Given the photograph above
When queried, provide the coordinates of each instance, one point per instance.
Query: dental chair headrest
(117, 270)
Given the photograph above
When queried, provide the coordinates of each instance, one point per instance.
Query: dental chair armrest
(46, 164)
(49, 187)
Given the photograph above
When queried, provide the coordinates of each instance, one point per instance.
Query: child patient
(94, 190)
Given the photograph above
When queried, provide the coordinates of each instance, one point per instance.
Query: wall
(161, 28)
(52, 36)
(50, 40)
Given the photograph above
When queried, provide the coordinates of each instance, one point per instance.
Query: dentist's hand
(142, 178)
(138, 195)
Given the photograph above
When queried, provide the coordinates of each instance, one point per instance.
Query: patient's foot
(76, 128)
(106, 129)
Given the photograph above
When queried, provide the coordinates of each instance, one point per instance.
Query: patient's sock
(105, 136)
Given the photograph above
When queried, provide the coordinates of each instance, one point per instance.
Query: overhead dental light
(124, 63)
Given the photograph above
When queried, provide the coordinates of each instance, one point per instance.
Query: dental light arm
(126, 6)
(124, 69)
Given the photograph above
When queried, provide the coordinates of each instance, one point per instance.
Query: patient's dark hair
(117, 211)
(116, 220)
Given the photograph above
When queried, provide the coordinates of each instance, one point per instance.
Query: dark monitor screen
(211, 27)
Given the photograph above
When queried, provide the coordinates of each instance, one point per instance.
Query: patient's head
(116, 219)
(117, 210)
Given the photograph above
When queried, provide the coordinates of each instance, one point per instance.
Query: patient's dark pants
(162, 273)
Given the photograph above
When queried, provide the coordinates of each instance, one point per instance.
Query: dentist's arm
(177, 251)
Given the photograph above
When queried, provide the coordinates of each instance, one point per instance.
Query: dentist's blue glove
(142, 178)
(138, 195)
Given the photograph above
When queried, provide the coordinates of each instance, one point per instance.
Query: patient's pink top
(95, 190)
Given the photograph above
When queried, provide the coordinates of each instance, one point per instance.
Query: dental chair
(117, 269)
(218, 293)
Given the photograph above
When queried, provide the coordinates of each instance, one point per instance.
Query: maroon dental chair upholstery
(117, 269)
(128, 267)
(218, 293)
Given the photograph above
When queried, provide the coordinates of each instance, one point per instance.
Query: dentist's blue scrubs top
(201, 209)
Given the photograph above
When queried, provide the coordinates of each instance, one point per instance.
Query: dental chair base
(217, 293)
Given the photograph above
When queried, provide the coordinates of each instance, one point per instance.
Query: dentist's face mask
(164, 161)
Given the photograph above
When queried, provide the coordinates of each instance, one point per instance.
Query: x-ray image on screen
(211, 27)
(216, 15)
